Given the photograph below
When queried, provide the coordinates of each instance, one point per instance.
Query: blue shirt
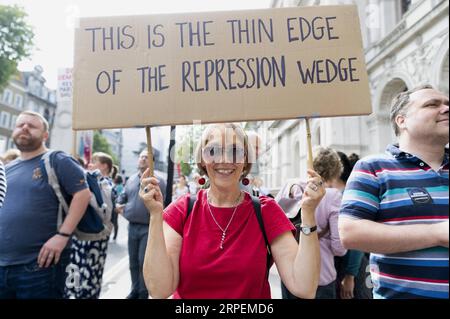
(401, 189)
(28, 217)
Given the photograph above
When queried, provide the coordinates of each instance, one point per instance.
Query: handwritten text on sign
(265, 64)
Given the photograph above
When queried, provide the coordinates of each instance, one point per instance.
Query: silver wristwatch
(307, 229)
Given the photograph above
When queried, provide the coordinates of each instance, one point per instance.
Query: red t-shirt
(239, 269)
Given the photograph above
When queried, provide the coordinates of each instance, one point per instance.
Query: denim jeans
(29, 281)
(137, 242)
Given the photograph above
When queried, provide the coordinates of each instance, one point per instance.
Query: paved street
(116, 278)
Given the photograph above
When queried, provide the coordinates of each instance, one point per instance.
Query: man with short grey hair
(132, 208)
(396, 206)
(400, 105)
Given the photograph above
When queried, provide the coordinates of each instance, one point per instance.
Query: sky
(53, 23)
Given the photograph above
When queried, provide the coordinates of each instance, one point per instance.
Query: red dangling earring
(245, 181)
(202, 181)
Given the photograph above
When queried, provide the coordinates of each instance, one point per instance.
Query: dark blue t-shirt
(29, 214)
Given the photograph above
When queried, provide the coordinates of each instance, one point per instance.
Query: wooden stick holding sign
(309, 162)
(149, 149)
(309, 145)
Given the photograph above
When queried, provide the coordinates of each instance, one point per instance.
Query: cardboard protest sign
(219, 67)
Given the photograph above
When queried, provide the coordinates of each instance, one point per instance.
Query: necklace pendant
(223, 239)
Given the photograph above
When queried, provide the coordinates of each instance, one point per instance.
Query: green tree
(16, 41)
(101, 144)
(183, 155)
(186, 168)
(185, 149)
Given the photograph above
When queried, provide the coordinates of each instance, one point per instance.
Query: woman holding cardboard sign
(215, 246)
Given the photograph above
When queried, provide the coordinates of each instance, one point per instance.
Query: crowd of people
(223, 230)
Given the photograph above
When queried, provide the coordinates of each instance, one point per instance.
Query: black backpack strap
(297, 221)
(191, 203)
(257, 207)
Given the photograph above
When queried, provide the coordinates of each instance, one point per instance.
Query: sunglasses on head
(215, 153)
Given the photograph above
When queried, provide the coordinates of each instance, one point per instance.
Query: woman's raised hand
(150, 193)
(314, 192)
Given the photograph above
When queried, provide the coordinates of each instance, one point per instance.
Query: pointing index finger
(312, 173)
(146, 174)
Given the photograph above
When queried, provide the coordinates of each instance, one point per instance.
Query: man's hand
(119, 209)
(347, 287)
(51, 251)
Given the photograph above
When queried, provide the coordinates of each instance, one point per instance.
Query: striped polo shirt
(400, 189)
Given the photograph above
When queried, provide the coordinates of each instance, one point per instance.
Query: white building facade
(406, 44)
(26, 91)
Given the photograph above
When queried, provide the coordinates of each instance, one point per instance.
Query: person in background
(257, 187)
(327, 164)
(118, 184)
(352, 267)
(81, 161)
(180, 188)
(88, 256)
(117, 189)
(133, 209)
(353, 158)
(193, 185)
(10, 155)
(396, 205)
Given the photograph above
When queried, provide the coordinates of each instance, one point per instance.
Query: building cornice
(18, 87)
(41, 99)
(10, 109)
(403, 33)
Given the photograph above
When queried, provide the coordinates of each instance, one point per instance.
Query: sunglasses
(215, 154)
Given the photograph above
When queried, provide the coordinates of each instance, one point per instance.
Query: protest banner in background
(61, 133)
(171, 69)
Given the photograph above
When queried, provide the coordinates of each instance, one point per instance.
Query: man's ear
(400, 120)
(45, 136)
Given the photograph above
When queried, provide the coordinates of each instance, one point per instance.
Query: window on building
(18, 101)
(405, 6)
(11, 143)
(5, 117)
(7, 97)
(31, 105)
(3, 144)
(52, 97)
(13, 122)
(34, 86)
(47, 115)
(44, 93)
